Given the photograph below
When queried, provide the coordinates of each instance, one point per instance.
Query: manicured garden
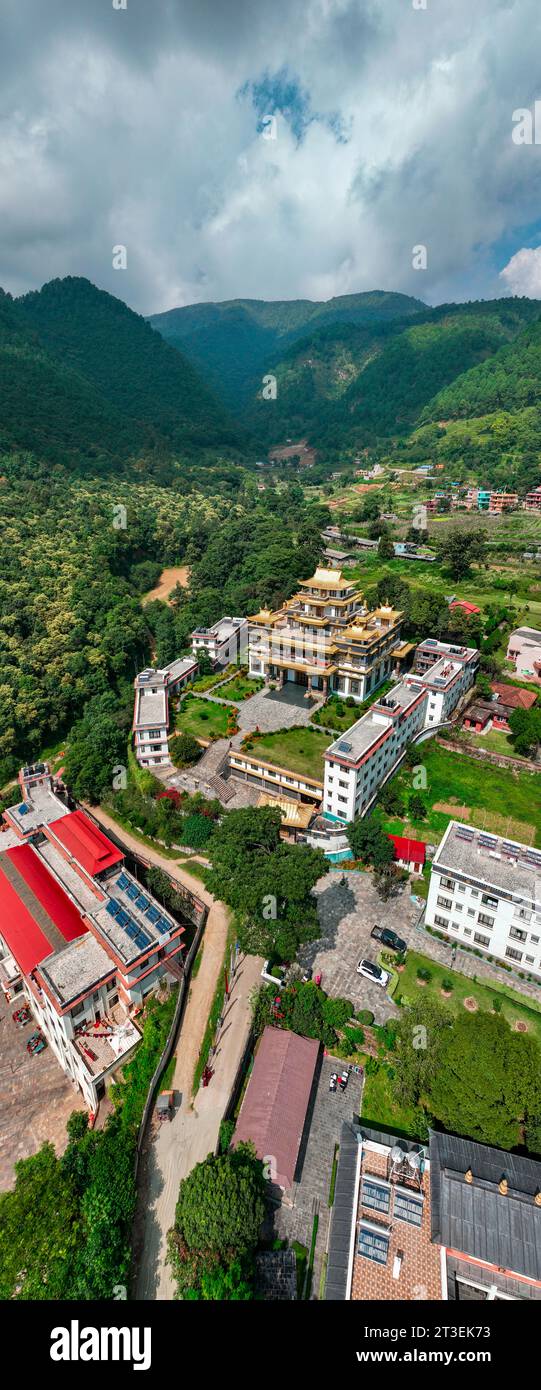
(240, 687)
(487, 996)
(300, 749)
(340, 714)
(204, 718)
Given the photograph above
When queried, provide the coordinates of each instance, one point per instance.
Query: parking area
(294, 1219)
(348, 907)
(36, 1097)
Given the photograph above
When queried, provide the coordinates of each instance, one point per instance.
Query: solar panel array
(147, 908)
(131, 928)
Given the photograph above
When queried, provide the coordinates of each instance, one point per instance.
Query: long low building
(153, 690)
(485, 891)
(274, 1109)
(80, 940)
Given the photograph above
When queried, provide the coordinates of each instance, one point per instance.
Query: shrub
(372, 1066)
(447, 985)
(184, 750)
(365, 1016)
(424, 974)
(496, 1004)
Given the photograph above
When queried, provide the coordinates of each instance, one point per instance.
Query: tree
(417, 807)
(97, 747)
(419, 1037)
(525, 726)
(386, 548)
(219, 1284)
(268, 882)
(390, 799)
(369, 841)
(487, 1080)
(221, 1204)
(184, 750)
(39, 1230)
(387, 879)
(460, 549)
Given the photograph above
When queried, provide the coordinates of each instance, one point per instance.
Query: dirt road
(177, 1146)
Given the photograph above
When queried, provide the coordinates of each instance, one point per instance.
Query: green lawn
(337, 714)
(300, 750)
(380, 1110)
(203, 718)
(513, 1006)
(495, 741)
(240, 687)
(504, 801)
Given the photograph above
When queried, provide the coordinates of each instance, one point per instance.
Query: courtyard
(348, 907)
(36, 1097)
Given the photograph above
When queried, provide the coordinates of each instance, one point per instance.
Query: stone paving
(36, 1097)
(294, 1218)
(348, 907)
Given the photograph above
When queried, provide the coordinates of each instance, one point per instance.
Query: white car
(373, 972)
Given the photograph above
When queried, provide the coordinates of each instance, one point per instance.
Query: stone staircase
(223, 790)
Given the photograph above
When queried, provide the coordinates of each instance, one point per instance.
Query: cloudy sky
(148, 126)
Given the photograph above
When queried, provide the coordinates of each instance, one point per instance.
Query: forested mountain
(232, 343)
(350, 386)
(85, 381)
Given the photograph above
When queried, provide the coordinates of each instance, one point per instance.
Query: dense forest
(72, 628)
(85, 381)
(232, 343)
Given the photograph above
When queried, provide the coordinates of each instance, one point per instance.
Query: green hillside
(232, 343)
(86, 382)
(350, 387)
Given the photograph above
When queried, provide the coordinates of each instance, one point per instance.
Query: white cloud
(127, 127)
(522, 274)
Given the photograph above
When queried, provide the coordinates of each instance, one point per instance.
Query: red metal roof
(412, 850)
(274, 1107)
(466, 607)
(86, 842)
(29, 940)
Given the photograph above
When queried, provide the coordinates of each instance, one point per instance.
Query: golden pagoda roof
(265, 615)
(326, 579)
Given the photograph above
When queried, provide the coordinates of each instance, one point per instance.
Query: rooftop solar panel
(152, 913)
(132, 931)
(142, 902)
(132, 891)
(142, 939)
(163, 925)
(123, 881)
(122, 918)
(23, 809)
(112, 908)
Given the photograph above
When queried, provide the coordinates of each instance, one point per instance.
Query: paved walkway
(174, 1149)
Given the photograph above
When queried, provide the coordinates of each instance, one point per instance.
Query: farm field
(492, 798)
(299, 749)
(203, 718)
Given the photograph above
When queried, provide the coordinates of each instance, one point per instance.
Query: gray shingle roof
(475, 1218)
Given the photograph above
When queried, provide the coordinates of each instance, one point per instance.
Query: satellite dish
(397, 1153)
(414, 1161)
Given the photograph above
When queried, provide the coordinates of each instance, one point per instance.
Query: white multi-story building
(225, 642)
(485, 891)
(446, 673)
(80, 940)
(153, 689)
(359, 761)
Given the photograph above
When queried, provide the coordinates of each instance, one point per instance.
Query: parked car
(390, 939)
(21, 1016)
(373, 972)
(36, 1042)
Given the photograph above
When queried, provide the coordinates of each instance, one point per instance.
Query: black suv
(389, 938)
